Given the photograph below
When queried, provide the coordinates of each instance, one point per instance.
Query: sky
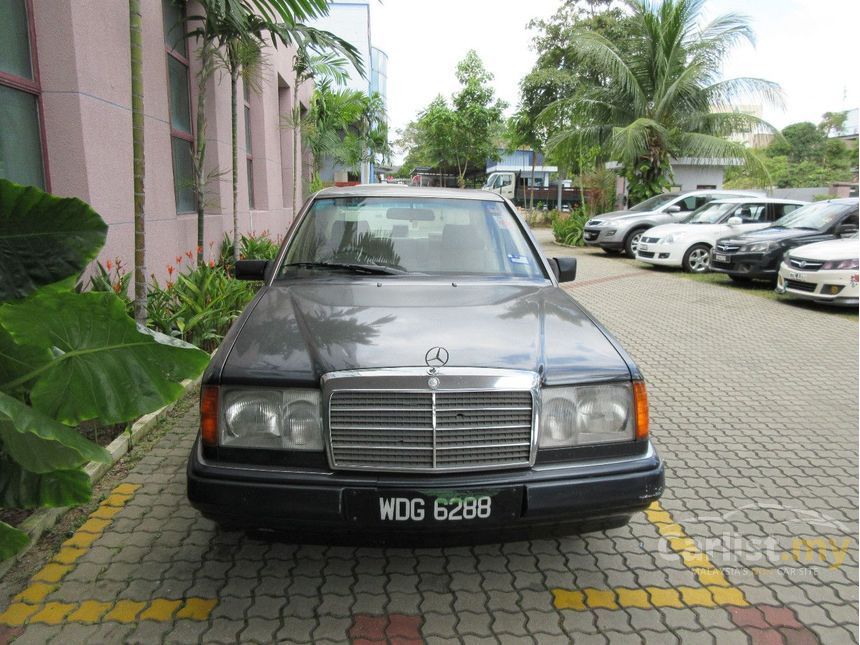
(809, 47)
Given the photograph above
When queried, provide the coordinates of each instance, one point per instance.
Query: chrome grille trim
(475, 419)
(805, 265)
(727, 248)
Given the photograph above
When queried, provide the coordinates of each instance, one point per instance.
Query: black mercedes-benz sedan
(411, 365)
(757, 255)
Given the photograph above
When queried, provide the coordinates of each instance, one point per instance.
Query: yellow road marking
(30, 606)
(715, 589)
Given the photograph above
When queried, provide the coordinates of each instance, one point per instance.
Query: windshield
(818, 216)
(422, 236)
(710, 214)
(654, 203)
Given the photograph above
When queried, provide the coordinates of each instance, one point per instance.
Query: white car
(688, 244)
(824, 271)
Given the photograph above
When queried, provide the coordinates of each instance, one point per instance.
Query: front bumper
(554, 498)
(817, 285)
(604, 237)
(760, 266)
(668, 255)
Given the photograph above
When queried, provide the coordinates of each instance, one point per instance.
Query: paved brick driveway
(754, 407)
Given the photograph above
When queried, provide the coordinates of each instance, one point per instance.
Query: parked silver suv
(621, 230)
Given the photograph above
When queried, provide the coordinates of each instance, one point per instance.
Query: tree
(657, 93)
(138, 159)
(308, 65)
(465, 134)
(236, 30)
(348, 126)
(801, 157)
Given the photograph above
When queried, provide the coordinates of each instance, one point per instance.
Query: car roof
(762, 200)
(723, 191)
(399, 190)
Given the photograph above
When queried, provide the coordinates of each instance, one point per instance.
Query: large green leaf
(20, 488)
(39, 443)
(18, 360)
(105, 367)
(43, 238)
(11, 540)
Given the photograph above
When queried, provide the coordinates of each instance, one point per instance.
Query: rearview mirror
(734, 221)
(251, 269)
(846, 229)
(674, 208)
(564, 269)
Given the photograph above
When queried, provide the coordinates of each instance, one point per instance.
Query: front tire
(697, 259)
(631, 242)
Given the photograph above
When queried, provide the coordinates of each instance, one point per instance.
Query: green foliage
(199, 306)
(66, 356)
(460, 136)
(348, 126)
(33, 255)
(568, 227)
(803, 156)
(652, 90)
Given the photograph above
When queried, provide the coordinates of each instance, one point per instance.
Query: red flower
(178, 259)
(169, 284)
(199, 249)
(117, 286)
(109, 265)
(170, 269)
(189, 254)
(211, 264)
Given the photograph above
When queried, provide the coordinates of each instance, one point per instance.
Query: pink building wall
(84, 63)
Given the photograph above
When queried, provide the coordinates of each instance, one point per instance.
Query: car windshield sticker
(518, 259)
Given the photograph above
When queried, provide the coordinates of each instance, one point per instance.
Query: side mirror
(674, 208)
(734, 221)
(564, 269)
(251, 269)
(846, 229)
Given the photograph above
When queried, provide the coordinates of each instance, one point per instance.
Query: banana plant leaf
(20, 488)
(41, 444)
(11, 540)
(103, 365)
(43, 238)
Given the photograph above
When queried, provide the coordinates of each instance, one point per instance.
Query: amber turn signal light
(209, 415)
(640, 401)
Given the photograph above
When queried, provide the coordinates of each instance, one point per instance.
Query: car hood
(771, 234)
(829, 250)
(297, 333)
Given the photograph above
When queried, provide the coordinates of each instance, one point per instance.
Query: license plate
(719, 257)
(796, 276)
(433, 507)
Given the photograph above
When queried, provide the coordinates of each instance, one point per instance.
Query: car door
(754, 216)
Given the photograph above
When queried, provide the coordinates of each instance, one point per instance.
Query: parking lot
(753, 406)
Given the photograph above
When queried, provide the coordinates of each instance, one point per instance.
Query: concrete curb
(45, 518)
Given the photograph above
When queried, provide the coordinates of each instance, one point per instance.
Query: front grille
(645, 254)
(649, 240)
(797, 285)
(805, 265)
(727, 248)
(393, 430)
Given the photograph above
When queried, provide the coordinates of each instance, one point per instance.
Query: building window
(181, 134)
(249, 157)
(21, 136)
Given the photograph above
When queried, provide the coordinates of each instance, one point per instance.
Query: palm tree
(139, 165)
(661, 96)
(236, 30)
(307, 65)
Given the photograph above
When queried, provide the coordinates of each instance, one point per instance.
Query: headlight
(586, 414)
(841, 264)
(758, 247)
(270, 418)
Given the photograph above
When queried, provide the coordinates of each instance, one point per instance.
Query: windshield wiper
(369, 269)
